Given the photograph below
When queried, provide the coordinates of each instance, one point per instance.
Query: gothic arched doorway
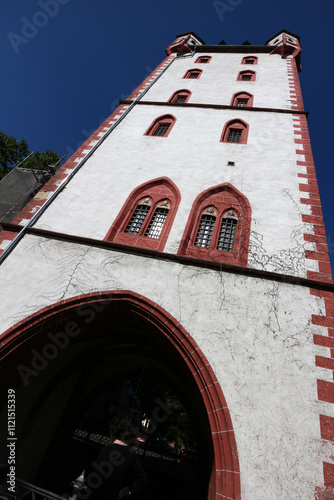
(74, 362)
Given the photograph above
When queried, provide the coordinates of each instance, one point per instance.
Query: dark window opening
(161, 129)
(137, 219)
(227, 234)
(242, 103)
(181, 98)
(234, 135)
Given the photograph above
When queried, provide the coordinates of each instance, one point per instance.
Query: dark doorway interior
(118, 362)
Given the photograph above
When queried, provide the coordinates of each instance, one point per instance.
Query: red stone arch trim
(225, 476)
(233, 199)
(158, 190)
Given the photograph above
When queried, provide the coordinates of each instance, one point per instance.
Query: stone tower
(181, 247)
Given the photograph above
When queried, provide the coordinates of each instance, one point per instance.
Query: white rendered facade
(253, 323)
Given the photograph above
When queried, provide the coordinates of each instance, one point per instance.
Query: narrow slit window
(227, 234)
(137, 219)
(205, 231)
(156, 224)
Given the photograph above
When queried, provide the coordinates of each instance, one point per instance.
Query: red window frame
(242, 95)
(252, 74)
(236, 124)
(254, 60)
(156, 191)
(222, 199)
(203, 60)
(198, 72)
(182, 92)
(161, 120)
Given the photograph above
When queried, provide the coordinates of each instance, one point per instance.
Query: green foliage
(12, 152)
(41, 161)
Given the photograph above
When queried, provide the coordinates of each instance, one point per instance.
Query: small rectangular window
(245, 78)
(161, 129)
(194, 76)
(156, 224)
(137, 219)
(234, 135)
(205, 231)
(249, 61)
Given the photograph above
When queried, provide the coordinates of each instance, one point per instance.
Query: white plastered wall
(194, 159)
(256, 334)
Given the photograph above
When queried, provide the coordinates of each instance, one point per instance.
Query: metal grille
(205, 231)
(137, 219)
(246, 77)
(193, 75)
(234, 135)
(227, 234)
(161, 129)
(181, 98)
(242, 103)
(156, 224)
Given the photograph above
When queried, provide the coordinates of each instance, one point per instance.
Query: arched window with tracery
(218, 227)
(180, 96)
(235, 131)
(161, 126)
(242, 100)
(147, 215)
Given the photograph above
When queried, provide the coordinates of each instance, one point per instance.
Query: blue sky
(63, 71)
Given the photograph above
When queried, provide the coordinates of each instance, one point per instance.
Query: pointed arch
(218, 226)
(235, 131)
(242, 100)
(161, 126)
(225, 476)
(147, 215)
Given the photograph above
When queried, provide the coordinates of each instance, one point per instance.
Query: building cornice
(215, 106)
